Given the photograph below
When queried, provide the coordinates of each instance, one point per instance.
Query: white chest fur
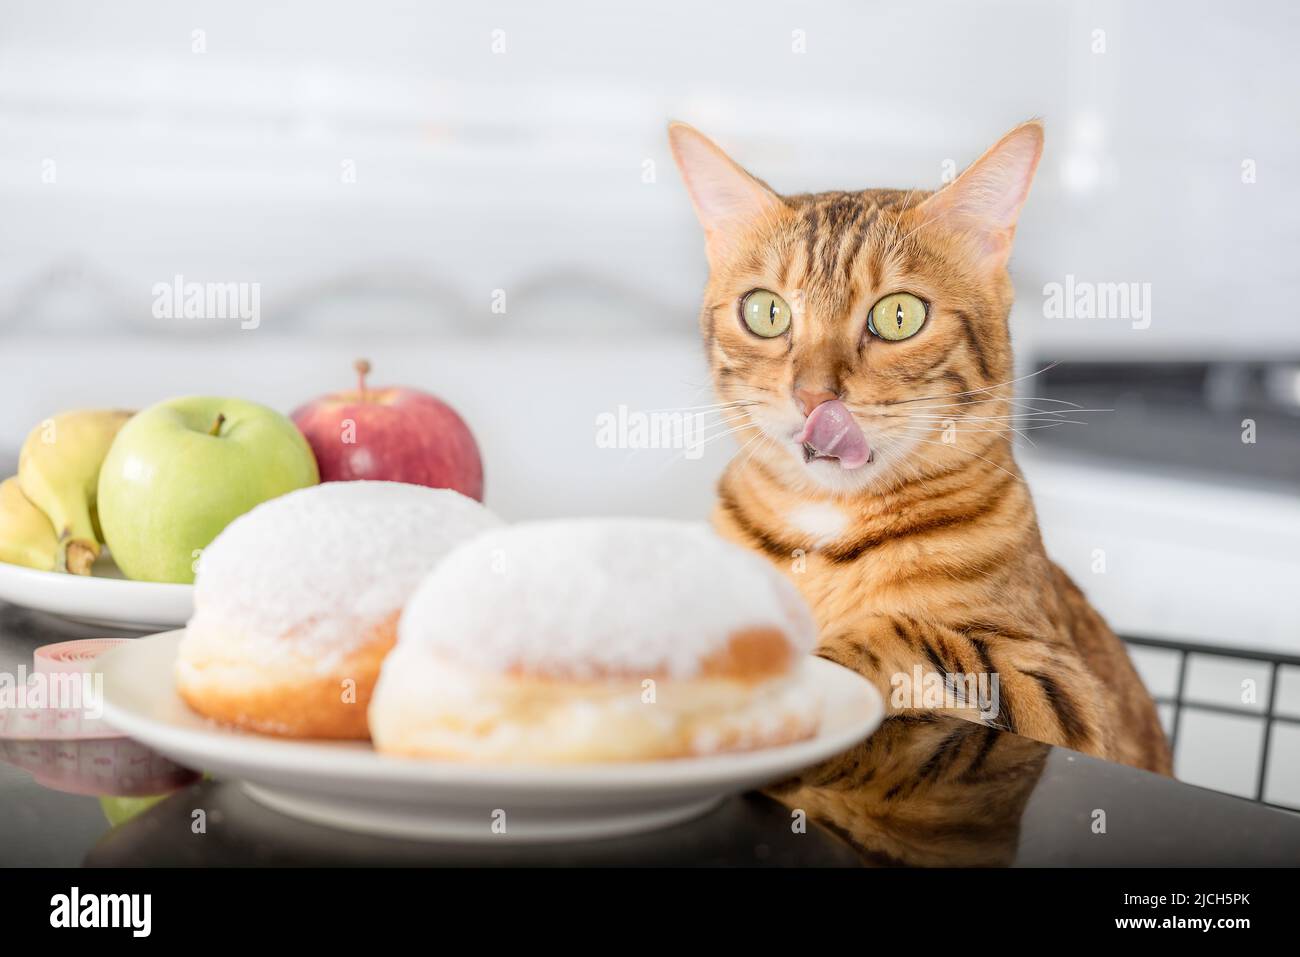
(823, 522)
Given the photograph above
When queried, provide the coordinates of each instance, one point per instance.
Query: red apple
(394, 434)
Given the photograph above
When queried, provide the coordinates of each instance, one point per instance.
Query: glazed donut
(296, 603)
(596, 640)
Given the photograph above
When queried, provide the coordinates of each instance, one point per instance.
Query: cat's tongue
(831, 431)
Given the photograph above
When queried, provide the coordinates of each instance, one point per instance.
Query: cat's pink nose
(809, 399)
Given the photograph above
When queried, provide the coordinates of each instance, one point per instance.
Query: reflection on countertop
(925, 791)
(110, 767)
(922, 791)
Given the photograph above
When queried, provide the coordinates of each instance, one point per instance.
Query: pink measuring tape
(38, 709)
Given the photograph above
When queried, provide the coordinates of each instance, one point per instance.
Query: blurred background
(479, 198)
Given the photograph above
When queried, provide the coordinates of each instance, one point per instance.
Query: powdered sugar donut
(296, 603)
(596, 640)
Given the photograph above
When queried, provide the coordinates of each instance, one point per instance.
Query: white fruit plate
(351, 786)
(103, 598)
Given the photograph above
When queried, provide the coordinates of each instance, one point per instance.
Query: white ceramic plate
(351, 786)
(102, 599)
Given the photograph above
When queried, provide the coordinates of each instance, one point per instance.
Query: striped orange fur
(930, 554)
(924, 791)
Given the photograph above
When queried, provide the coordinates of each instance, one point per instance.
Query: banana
(58, 471)
(26, 535)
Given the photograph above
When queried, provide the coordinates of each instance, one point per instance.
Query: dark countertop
(919, 791)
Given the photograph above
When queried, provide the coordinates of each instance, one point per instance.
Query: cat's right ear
(726, 199)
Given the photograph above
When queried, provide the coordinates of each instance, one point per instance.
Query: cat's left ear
(984, 201)
(727, 200)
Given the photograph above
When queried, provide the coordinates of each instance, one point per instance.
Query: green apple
(182, 470)
(119, 810)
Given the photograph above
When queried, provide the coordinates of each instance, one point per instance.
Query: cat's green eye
(897, 316)
(765, 313)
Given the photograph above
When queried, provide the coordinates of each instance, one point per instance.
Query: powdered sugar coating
(319, 566)
(585, 596)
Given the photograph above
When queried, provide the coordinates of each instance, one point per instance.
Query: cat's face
(862, 337)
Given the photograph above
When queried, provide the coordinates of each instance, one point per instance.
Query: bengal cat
(859, 343)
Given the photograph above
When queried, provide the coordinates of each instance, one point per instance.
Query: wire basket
(1180, 703)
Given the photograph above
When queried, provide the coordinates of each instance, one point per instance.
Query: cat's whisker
(701, 390)
(888, 444)
(711, 439)
(704, 438)
(1021, 433)
(896, 237)
(938, 429)
(718, 429)
(712, 407)
(1048, 414)
(911, 457)
(955, 395)
(1025, 403)
(941, 412)
(709, 431)
(990, 429)
(949, 445)
(734, 386)
(913, 453)
(917, 230)
(1032, 416)
(1047, 398)
(719, 426)
(742, 410)
(879, 409)
(918, 453)
(732, 428)
(752, 446)
(967, 416)
(695, 449)
(1070, 410)
(1005, 430)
